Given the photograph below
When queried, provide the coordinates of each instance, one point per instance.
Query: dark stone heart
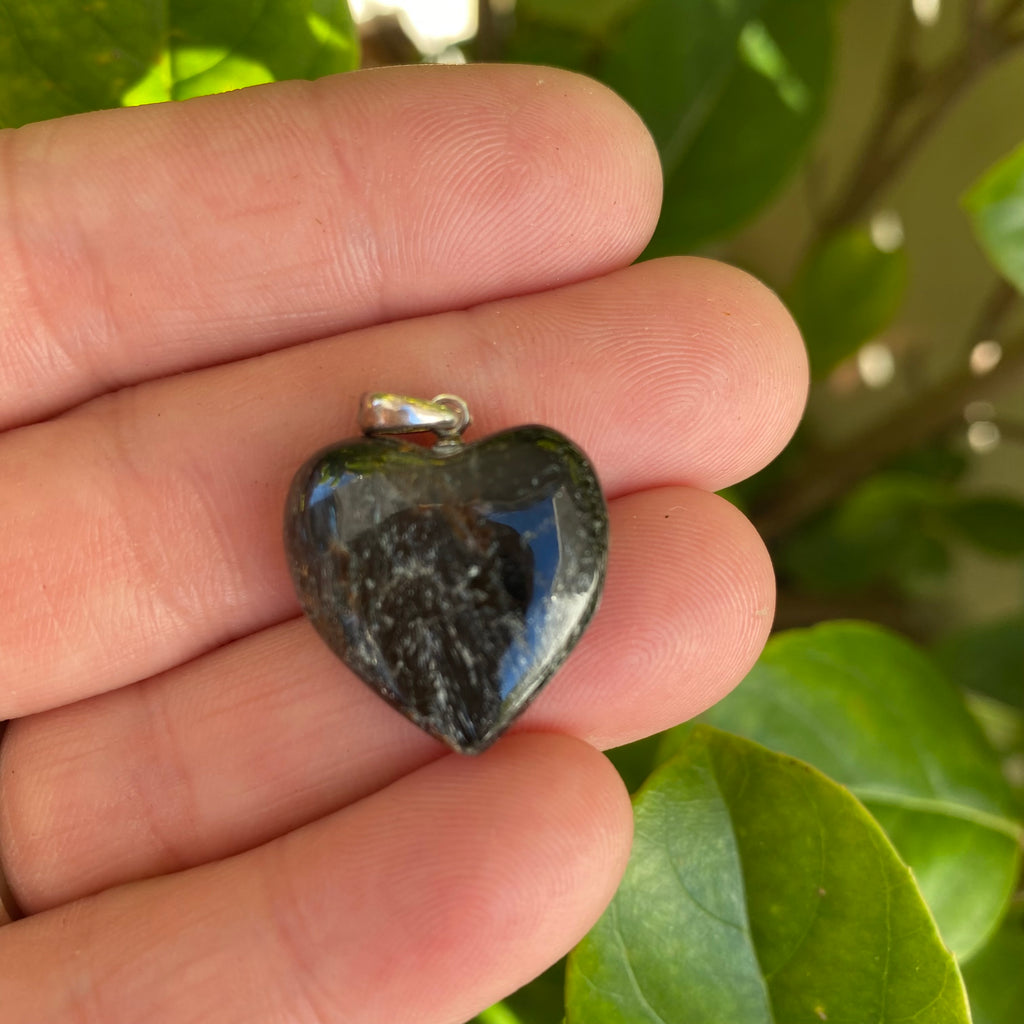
(453, 581)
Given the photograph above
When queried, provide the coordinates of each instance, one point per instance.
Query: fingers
(145, 529)
(137, 243)
(272, 732)
(425, 902)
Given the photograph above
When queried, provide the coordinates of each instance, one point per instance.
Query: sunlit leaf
(847, 291)
(759, 891)
(65, 56)
(500, 1013)
(875, 714)
(995, 204)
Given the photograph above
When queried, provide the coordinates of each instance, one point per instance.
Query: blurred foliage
(66, 56)
(878, 716)
(846, 272)
(761, 888)
(988, 659)
(996, 206)
(995, 977)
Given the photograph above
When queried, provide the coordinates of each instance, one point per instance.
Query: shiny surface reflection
(454, 584)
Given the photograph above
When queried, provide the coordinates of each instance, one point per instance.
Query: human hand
(206, 815)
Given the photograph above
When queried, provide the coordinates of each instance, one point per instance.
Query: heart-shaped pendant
(453, 580)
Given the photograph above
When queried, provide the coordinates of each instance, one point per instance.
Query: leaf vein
(630, 972)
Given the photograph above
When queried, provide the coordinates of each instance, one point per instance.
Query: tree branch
(921, 95)
(825, 477)
(1007, 13)
(897, 92)
(486, 42)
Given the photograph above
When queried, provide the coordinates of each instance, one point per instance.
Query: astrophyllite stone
(453, 580)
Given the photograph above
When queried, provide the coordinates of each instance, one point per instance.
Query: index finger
(138, 243)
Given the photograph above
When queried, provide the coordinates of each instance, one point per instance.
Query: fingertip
(505, 859)
(720, 366)
(768, 350)
(627, 167)
(687, 609)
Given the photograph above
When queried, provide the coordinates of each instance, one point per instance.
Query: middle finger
(144, 528)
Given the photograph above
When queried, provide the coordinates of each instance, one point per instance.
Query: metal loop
(385, 413)
(459, 407)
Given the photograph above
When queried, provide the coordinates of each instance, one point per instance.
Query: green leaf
(988, 659)
(886, 529)
(847, 291)
(938, 459)
(991, 523)
(759, 891)
(1003, 726)
(541, 1001)
(634, 761)
(756, 132)
(874, 713)
(994, 979)
(995, 204)
(66, 56)
(671, 60)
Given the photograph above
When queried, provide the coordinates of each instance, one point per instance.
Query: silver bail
(381, 412)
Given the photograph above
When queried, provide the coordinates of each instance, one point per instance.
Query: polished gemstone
(453, 580)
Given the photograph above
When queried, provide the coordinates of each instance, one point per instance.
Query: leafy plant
(852, 839)
(759, 890)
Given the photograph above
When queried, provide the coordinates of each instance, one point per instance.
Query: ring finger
(272, 731)
(144, 529)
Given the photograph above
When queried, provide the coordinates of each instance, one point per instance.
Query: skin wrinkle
(35, 346)
(174, 820)
(366, 270)
(282, 908)
(504, 162)
(135, 508)
(64, 259)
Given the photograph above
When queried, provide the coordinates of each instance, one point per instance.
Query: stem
(1007, 13)
(825, 477)
(922, 95)
(486, 42)
(994, 310)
